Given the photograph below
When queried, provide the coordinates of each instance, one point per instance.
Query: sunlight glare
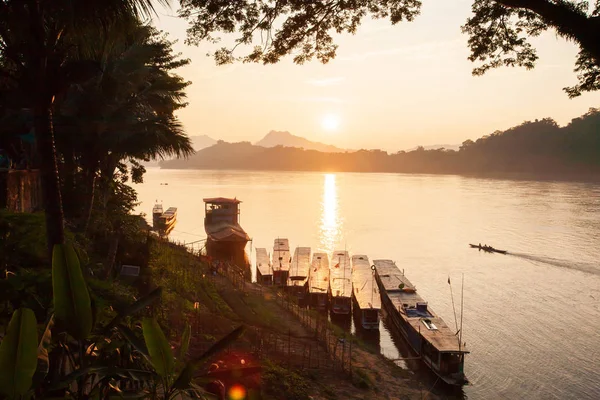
(330, 219)
(330, 122)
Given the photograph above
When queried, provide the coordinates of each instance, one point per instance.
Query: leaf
(43, 362)
(103, 372)
(139, 305)
(161, 355)
(185, 377)
(18, 354)
(185, 342)
(222, 344)
(72, 306)
(137, 344)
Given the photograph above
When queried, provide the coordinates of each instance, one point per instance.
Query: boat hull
(232, 251)
(414, 339)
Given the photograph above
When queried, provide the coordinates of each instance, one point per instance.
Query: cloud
(326, 81)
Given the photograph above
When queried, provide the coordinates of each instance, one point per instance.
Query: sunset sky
(390, 87)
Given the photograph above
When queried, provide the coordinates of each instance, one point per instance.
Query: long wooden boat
(157, 211)
(264, 269)
(488, 249)
(299, 270)
(226, 239)
(318, 281)
(340, 283)
(426, 333)
(365, 293)
(281, 261)
(166, 221)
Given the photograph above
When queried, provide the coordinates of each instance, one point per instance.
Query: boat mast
(462, 291)
(453, 308)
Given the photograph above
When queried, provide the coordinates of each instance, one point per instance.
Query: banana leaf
(137, 344)
(137, 306)
(72, 305)
(43, 362)
(185, 342)
(221, 344)
(18, 354)
(159, 349)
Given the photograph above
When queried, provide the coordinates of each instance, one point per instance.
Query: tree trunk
(44, 135)
(112, 254)
(69, 194)
(90, 187)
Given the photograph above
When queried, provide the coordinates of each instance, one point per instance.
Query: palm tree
(126, 112)
(36, 43)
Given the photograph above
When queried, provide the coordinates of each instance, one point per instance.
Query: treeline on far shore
(540, 147)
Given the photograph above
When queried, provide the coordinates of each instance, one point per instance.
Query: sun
(330, 122)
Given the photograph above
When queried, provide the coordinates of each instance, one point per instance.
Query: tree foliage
(499, 31)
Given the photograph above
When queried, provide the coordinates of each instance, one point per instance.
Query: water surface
(531, 318)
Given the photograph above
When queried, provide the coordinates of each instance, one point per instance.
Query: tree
(126, 112)
(498, 29)
(35, 60)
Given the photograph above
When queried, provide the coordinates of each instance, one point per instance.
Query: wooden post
(350, 360)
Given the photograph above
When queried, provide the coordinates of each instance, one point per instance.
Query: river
(531, 318)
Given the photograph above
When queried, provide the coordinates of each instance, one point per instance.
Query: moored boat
(318, 281)
(299, 269)
(427, 334)
(340, 283)
(226, 240)
(157, 211)
(264, 269)
(365, 293)
(281, 261)
(166, 221)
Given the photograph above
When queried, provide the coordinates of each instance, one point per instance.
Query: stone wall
(20, 190)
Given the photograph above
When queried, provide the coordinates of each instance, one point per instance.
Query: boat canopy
(318, 280)
(340, 274)
(221, 200)
(300, 264)
(364, 287)
(281, 255)
(263, 263)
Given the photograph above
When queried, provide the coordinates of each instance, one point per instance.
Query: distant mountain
(202, 142)
(286, 139)
(198, 143)
(454, 147)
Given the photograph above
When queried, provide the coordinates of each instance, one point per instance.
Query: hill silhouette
(286, 139)
(540, 148)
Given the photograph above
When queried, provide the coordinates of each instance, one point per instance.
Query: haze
(390, 87)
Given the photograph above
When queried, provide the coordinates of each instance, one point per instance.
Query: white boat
(340, 283)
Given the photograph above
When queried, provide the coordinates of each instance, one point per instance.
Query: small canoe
(489, 249)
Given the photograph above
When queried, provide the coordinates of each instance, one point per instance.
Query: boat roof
(405, 300)
(318, 277)
(364, 287)
(221, 200)
(300, 263)
(263, 262)
(281, 244)
(340, 274)
(170, 212)
(157, 207)
(281, 255)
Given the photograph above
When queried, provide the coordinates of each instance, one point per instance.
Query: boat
(299, 269)
(438, 346)
(318, 281)
(281, 261)
(264, 269)
(157, 211)
(226, 239)
(166, 222)
(487, 248)
(340, 283)
(365, 293)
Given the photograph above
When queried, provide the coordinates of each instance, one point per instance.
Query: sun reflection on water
(330, 217)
